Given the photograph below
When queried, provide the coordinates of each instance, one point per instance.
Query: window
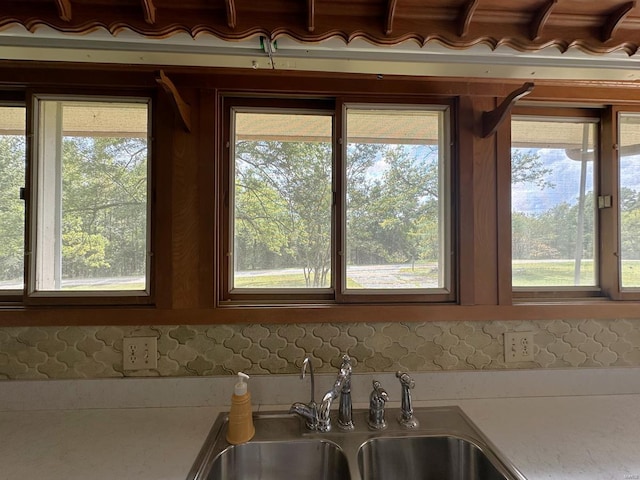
(629, 204)
(12, 217)
(282, 200)
(554, 221)
(89, 210)
(397, 228)
(369, 221)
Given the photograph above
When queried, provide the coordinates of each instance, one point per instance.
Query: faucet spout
(318, 416)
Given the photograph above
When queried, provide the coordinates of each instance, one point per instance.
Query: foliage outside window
(554, 231)
(390, 232)
(90, 208)
(12, 178)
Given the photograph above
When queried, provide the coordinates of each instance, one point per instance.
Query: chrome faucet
(377, 401)
(406, 418)
(318, 416)
(345, 418)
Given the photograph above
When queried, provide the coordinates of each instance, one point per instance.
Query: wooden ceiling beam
(615, 19)
(311, 15)
(540, 19)
(232, 20)
(391, 11)
(64, 9)
(149, 11)
(466, 14)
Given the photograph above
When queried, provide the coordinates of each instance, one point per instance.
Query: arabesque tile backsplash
(96, 352)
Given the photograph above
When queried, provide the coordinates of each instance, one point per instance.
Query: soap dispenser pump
(240, 428)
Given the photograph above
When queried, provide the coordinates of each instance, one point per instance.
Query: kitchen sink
(446, 446)
(308, 459)
(442, 458)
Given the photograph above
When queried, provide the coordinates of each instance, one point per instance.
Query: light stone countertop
(563, 425)
(563, 438)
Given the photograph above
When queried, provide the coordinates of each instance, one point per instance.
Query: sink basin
(446, 446)
(308, 459)
(441, 457)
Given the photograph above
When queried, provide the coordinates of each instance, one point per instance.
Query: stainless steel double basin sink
(446, 446)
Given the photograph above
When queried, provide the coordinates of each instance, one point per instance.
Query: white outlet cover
(139, 353)
(518, 347)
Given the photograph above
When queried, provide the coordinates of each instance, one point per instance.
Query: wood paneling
(186, 194)
(526, 25)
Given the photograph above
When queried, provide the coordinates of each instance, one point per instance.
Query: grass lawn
(530, 273)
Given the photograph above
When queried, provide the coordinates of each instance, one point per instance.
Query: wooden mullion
(339, 207)
(503, 212)
(608, 224)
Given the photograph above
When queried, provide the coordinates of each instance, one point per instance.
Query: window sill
(546, 310)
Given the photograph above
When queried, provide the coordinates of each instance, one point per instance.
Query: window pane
(397, 207)
(282, 200)
(629, 150)
(92, 196)
(12, 178)
(552, 209)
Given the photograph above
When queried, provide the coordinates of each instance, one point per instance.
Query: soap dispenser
(240, 428)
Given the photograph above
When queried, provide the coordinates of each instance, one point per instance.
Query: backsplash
(96, 352)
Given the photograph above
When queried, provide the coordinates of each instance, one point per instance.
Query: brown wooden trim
(466, 14)
(208, 158)
(503, 212)
(532, 310)
(391, 11)
(615, 19)
(466, 226)
(540, 19)
(149, 10)
(64, 10)
(491, 120)
(311, 15)
(162, 170)
(583, 25)
(339, 207)
(181, 108)
(182, 209)
(232, 17)
(608, 218)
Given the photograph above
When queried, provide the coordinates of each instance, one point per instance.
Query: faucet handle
(346, 367)
(377, 402)
(406, 418)
(405, 379)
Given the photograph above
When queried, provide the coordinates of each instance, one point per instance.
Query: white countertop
(577, 438)
(153, 429)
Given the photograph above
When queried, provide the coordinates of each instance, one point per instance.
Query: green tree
(12, 177)
(397, 215)
(527, 167)
(104, 206)
(283, 204)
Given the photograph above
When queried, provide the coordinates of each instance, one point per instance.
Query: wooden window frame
(611, 217)
(606, 183)
(337, 294)
(84, 298)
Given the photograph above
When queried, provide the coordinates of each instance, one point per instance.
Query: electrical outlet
(518, 347)
(139, 353)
